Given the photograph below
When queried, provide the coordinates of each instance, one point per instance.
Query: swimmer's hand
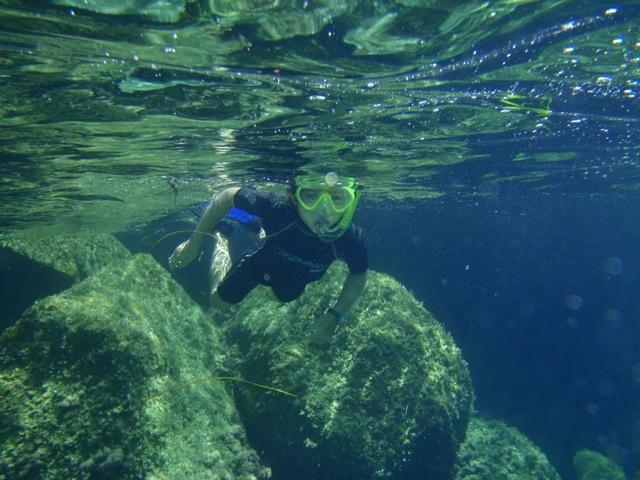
(183, 255)
(322, 329)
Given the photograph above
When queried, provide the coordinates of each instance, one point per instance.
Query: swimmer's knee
(274, 296)
(217, 303)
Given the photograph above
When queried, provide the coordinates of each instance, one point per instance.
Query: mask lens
(339, 198)
(309, 197)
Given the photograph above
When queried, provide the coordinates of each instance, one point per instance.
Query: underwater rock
(79, 376)
(34, 267)
(22, 282)
(591, 465)
(77, 256)
(388, 397)
(494, 450)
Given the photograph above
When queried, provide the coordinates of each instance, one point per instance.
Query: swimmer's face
(320, 219)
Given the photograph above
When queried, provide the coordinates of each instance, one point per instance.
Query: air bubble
(612, 265)
(574, 302)
(592, 408)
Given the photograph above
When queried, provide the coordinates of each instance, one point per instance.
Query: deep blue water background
(498, 273)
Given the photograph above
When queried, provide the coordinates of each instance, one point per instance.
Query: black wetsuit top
(291, 256)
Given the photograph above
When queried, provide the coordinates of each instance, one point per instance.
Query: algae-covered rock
(34, 267)
(388, 397)
(78, 375)
(77, 256)
(591, 465)
(495, 451)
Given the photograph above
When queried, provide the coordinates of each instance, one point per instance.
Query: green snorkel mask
(334, 194)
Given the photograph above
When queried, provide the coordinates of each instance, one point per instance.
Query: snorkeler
(306, 230)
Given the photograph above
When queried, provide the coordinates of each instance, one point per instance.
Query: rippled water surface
(104, 101)
(497, 141)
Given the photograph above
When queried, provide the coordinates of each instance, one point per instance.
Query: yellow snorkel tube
(339, 194)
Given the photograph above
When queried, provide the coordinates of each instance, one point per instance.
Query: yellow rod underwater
(210, 379)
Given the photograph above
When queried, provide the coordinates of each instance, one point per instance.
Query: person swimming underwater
(306, 230)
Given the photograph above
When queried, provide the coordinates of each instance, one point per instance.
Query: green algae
(390, 395)
(77, 372)
(77, 256)
(495, 451)
(88, 383)
(592, 465)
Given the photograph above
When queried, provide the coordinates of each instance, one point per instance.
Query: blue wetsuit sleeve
(251, 201)
(272, 209)
(240, 215)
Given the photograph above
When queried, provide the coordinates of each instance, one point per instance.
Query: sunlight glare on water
(107, 99)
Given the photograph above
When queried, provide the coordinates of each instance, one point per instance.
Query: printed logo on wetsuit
(313, 267)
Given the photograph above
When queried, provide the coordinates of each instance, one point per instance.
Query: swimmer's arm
(353, 286)
(323, 328)
(219, 207)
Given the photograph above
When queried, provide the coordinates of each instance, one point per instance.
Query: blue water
(499, 159)
(541, 296)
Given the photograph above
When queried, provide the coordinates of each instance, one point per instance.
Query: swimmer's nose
(324, 206)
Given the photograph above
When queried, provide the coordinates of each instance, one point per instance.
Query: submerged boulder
(494, 450)
(80, 374)
(76, 256)
(592, 465)
(34, 267)
(388, 397)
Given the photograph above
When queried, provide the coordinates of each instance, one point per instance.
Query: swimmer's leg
(217, 303)
(220, 266)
